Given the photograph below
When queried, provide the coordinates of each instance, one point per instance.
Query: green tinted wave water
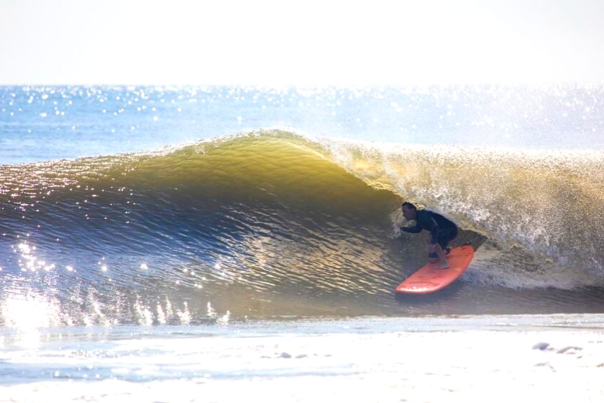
(272, 222)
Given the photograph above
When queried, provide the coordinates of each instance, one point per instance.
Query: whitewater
(232, 240)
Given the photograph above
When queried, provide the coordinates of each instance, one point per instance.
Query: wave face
(272, 222)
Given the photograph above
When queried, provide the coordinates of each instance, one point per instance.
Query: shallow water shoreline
(466, 358)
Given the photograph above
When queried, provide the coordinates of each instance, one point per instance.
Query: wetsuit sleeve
(412, 230)
(426, 221)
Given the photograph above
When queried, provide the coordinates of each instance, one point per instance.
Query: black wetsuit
(443, 230)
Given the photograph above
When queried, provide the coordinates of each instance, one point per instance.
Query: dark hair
(409, 205)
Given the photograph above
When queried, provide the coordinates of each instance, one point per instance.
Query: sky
(261, 42)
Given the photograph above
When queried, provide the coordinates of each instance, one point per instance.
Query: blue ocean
(211, 243)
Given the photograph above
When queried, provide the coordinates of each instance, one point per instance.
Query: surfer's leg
(432, 256)
(441, 249)
(440, 253)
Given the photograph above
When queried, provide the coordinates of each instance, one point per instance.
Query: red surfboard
(429, 278)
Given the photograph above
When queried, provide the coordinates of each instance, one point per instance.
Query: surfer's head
(409, 210)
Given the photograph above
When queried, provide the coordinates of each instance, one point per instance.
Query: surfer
(442, 231)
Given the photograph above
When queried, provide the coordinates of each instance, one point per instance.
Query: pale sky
(261, 42)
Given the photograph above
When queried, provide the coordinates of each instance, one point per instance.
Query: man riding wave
(442, 231)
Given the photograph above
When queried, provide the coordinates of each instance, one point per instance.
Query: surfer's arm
(412, 230)
(428, 222)
(434, 231)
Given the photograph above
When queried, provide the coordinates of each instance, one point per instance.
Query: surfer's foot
(443, 265)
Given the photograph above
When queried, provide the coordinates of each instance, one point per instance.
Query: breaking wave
(273, 217)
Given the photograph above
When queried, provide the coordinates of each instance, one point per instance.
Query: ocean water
(228, 241)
